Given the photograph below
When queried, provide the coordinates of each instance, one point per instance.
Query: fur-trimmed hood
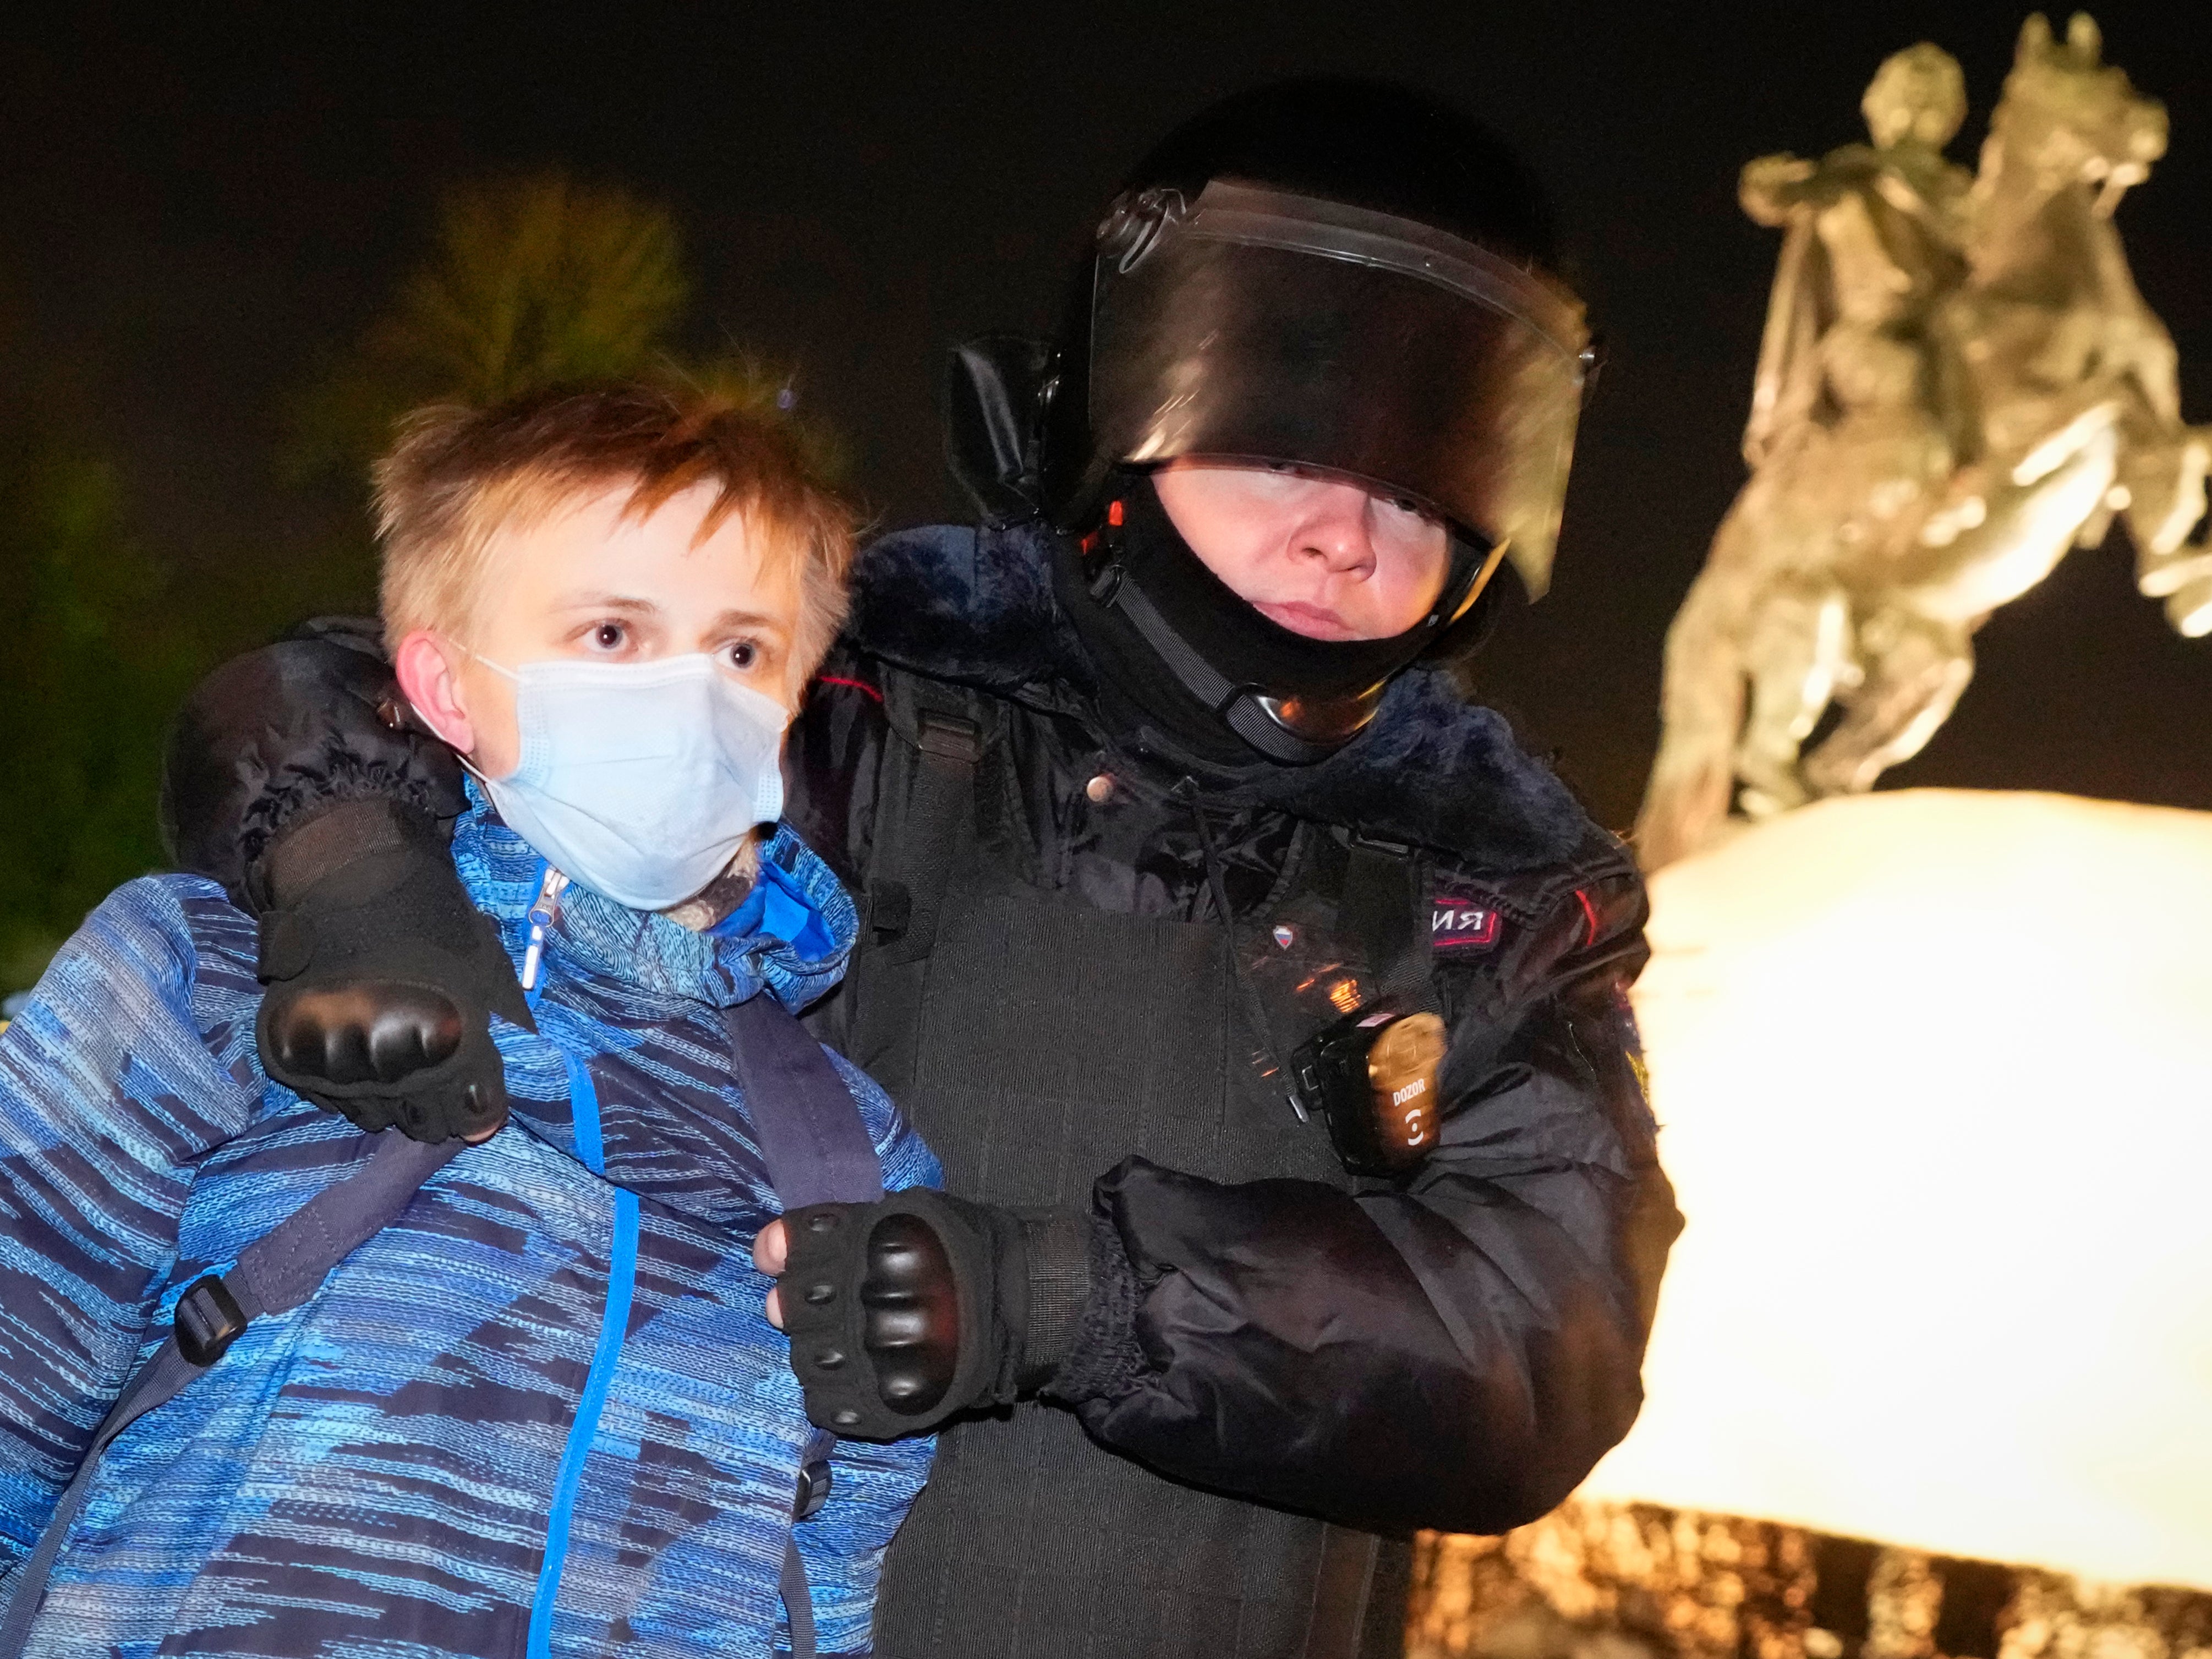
(977, 607)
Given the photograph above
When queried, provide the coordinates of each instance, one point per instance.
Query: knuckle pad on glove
(880, 1304)
(388, 977)
(910, 1315)
(374, 1031)
(821, 1318)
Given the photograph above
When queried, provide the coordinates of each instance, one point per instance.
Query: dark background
(202, 203)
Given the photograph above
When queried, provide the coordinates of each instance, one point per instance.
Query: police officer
(1265, 1002)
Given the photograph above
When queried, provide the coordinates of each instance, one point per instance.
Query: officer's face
(1313, 554)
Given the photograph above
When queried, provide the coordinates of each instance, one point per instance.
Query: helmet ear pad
(1454, 653)
(995, 389)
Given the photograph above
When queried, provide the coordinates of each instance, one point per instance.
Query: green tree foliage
(529, 284)
(95, 662)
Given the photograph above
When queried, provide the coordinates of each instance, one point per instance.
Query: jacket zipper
(543, 909)
(614, 1319)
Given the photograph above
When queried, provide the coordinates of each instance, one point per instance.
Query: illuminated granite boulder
(1936, 1070)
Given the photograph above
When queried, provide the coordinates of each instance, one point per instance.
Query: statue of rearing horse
(1957, 385)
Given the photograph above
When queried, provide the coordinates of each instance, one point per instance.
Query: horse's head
(2067, 118)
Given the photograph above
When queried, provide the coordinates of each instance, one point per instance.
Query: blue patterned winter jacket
(541, 1415)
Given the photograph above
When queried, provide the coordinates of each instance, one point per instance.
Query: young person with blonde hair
(272, 1384)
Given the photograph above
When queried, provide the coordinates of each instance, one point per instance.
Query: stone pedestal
(1600, 1580)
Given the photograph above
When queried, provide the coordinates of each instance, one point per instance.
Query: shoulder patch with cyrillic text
(1460, 923)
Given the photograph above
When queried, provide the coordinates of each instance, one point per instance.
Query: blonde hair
(458, 475)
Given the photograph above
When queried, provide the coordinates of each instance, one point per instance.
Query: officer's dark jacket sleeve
(283, 734)
(1453, 1353)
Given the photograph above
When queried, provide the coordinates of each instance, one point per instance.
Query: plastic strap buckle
(813, 1490)
(952, 737)
(208, 1320)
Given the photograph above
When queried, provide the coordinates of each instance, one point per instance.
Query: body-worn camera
(1376, 1077)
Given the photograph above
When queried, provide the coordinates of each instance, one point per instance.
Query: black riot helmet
(1337, 275)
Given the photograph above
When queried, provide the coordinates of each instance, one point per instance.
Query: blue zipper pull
(543, 909)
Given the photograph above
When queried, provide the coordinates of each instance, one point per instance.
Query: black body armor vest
(1034, 1042)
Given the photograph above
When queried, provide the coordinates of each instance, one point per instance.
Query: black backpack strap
(817, 1151)
(274, 1274)
(807, 1124)
(925, 833)
(906, 898)
(797, 1602)
(1382, 908)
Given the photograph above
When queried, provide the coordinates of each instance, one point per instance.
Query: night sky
(199, 201)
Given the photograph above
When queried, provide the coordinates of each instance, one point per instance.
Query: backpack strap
(803, 1117)
(274, 1274)
(925, 838)
(817, 1151)
(906, 898)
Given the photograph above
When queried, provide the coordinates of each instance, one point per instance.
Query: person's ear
(429, 672)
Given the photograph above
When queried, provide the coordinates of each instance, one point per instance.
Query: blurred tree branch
(529, 284)
(98, 657)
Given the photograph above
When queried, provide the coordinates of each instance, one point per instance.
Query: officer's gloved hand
(383, 976)
(292, 777)
(904, 1312)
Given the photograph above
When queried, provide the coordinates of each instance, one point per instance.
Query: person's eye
(742, 655)
(1408, 515)
(608, 636)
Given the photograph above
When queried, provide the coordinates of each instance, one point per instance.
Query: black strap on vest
(1381, 907)
(1342, 1584)
(922, 835)
(905, 902)
(275, 1274)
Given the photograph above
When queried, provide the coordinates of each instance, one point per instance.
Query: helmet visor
(1255, 324)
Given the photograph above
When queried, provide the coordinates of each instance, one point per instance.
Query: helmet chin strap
(1271, 725)
(1285, 721)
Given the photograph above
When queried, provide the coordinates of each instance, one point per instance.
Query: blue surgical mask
(639, 780)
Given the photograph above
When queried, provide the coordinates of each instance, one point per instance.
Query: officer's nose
(1335, 531)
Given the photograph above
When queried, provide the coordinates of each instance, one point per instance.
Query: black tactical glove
(904, 1312)
(383, 976)
(292, 777)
